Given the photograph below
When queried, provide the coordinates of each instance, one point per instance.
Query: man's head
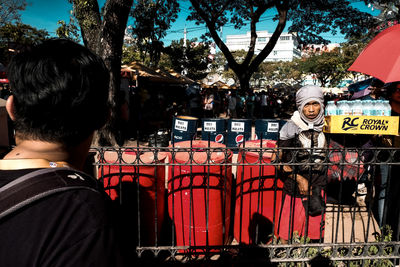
(312, 109)
(393, 92)
(310, 103)
(59, 92)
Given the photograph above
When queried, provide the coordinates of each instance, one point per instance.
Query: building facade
(286, 49)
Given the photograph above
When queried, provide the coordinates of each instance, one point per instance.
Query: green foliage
(130, 53)
(22, 34)
(289, 72)
(299, 252)
(83, 13)
(152, 19)
(328, 67)
(68, 30)
(219, 65)
(15, 37)
(310, 19)
(193, 58)
(350, 52)
(10, 11)
(372, 250)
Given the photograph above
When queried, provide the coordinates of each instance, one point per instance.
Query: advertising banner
(386, 125)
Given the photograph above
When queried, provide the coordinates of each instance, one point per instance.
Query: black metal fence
(206, 203)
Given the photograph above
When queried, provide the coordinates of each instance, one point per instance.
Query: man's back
(71, 228)
(56, 110)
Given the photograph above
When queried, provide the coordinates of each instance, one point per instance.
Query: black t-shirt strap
(39, 184)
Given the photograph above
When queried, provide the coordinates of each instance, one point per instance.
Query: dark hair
(377, 83)
(390, 89)
(60, 91)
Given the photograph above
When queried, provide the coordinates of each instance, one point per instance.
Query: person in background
(264, 105)
(232, 100)
(393, 92)
(390, 184)
(250, 103)
(376, 90)
(59, 99)
(217, 103)
(208, 104)
(194, 105)
(303, 206)
(240, 105)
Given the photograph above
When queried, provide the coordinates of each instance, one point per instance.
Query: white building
(286, 49)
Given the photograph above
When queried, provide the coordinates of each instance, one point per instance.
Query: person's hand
(287, 168)
(302, 184)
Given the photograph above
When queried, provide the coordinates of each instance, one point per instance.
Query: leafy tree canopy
(192, 59)
(68, 30)
(10, 11)
(289, 72)
(310, 18)
(151, 20)
(130, 53)
(16, 37)
(328, 67)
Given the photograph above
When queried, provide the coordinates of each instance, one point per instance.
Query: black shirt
(72, 228)
(313, 173)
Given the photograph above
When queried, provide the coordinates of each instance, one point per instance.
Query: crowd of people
(214, 103)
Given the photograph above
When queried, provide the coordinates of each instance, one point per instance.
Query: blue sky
(44, 14)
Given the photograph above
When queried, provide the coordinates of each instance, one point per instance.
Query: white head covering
(299, 122)
(308, 94)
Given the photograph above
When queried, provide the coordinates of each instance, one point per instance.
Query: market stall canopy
(220, 85)
(333, 90)
(381, 57)
(167, 74)
(135, 68)
(181, 77)
(203, 85)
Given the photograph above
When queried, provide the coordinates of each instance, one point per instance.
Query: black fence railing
(204, 202)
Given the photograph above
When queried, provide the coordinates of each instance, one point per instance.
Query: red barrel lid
(199, 155)
(257, 144)
(129, 156)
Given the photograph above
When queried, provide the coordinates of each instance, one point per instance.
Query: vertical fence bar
(138, 193)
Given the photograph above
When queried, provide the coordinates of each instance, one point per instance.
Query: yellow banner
(387, 125)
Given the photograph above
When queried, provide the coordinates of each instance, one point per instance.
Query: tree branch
(282, 11)
(255, 17)
(211, 27)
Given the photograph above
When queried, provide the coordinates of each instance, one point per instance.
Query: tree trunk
(105, 38)
(249, 65)
(89, 19)
(244, 80)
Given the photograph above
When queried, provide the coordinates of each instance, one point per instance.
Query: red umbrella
(381, 57)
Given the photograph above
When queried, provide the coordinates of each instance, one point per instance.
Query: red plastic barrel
(255, 194)
(199, 193)
(123, 174)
